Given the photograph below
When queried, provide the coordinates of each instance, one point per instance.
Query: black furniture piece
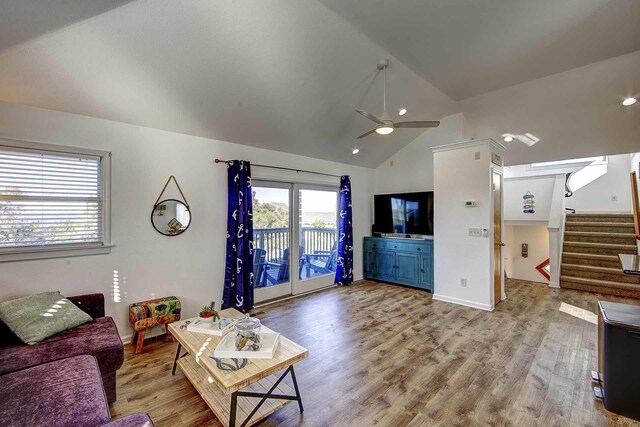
(619, 358)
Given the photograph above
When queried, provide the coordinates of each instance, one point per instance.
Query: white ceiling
(22, 20)
(284, 75)
(287, 75)
(470, 47)
(577, 113)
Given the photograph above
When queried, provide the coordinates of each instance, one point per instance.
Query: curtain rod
(282, 168)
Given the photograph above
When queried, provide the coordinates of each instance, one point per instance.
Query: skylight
(600, 160)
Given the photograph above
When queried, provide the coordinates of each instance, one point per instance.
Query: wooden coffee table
(231, 386)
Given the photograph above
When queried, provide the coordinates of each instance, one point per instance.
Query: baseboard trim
(460, 301)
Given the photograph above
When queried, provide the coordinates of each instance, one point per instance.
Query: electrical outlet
(463, 282)
(475, 232)
(477, 155)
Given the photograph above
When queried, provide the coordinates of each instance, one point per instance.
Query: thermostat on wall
(470, 204)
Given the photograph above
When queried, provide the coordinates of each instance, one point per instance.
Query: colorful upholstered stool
(147, 314)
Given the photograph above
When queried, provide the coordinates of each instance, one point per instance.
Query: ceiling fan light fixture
(384, 130)
(629, 102)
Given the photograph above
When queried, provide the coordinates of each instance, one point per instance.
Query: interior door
(316, 229)
(497, 237)
(272, 237)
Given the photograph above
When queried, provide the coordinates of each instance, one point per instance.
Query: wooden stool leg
(140, 341)
(133, 337)
(169, 335)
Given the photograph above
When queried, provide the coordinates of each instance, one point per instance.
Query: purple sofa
(98, 338)
(62, 393)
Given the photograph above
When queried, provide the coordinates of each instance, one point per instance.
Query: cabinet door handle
(419, 249)
(421, 271)
(395, 247)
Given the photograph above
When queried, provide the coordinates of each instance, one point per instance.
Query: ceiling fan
(384, 122)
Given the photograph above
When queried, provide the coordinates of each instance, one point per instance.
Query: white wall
(459, 177)
(515, 188)
(598, 195)
(537, 237)
(411, 169)
(191, 265)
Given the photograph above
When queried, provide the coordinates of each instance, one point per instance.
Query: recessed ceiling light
(629, 101)
(402, 112)
(356, 151)
(508, 138)
(384, 130)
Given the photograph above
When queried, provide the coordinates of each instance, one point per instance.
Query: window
(53, 201)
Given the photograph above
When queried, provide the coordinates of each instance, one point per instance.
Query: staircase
(590, 261)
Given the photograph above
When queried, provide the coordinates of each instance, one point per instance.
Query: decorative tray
(209, 327)
(226, 349)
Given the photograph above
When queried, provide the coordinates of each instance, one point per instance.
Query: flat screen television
(405, 213)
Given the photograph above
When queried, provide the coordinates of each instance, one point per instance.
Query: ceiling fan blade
(366, 134)
(418, 124)
(371, 117)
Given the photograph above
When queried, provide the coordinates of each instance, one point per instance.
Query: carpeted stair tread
(600, 223)
(605, 245)
(593, 268)
(599, 233)
(592, 256)
(598, 282)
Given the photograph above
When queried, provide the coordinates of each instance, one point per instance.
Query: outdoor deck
(271, 260)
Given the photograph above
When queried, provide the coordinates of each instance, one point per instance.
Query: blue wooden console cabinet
(402, 261)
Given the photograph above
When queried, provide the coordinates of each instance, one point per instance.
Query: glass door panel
(317, 230)
(271, 240)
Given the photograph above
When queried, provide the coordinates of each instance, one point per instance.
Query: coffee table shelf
(220, 403)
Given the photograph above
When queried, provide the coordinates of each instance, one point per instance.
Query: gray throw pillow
(36, 317)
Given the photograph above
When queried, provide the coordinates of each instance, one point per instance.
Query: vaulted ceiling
(470, 47)
(288, 74)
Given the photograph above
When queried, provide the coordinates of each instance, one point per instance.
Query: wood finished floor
(391, 356)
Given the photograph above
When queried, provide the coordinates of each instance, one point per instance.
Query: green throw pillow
(36, 317)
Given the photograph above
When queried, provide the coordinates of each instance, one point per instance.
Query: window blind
(49, 198)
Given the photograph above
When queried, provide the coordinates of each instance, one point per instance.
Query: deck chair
(259, 268)
(281, 275)
(322, 262)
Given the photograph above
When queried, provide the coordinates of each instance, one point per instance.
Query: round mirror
(171, 217)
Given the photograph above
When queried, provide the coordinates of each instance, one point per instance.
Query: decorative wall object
(528, 204)
(171, 217)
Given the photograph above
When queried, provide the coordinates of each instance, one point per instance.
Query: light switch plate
(475, 232)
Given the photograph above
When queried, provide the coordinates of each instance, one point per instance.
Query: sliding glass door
(281, 267)
(271, 240)
(317, 228)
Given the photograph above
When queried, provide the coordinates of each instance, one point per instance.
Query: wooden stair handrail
(635, 203)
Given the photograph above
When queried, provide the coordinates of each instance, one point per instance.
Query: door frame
(307, 285)
(281, 290)
(497, 171)
(295, 286)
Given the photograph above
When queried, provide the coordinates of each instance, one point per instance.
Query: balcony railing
(276, 240)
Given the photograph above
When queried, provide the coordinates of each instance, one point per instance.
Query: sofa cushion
(98, 338)
(133, 420)
(36, 317)
(63, 393)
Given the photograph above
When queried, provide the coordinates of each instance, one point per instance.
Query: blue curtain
(344, 268)
(238, 275)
